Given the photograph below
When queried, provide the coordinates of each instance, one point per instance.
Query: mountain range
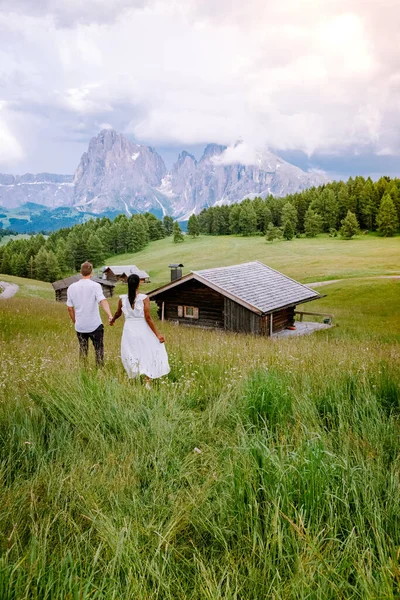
(117, 175)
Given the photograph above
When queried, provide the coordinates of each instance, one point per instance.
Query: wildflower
(197, 450)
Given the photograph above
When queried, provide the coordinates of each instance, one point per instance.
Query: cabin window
(191, 312)
(188, 312)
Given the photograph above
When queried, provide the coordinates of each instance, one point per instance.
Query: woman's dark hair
(133, 284)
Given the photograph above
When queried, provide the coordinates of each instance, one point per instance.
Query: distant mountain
(46, 189)
(116, 174)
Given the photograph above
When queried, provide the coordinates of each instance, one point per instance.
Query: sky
(316, 81)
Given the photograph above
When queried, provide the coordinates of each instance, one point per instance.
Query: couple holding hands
(142, 347)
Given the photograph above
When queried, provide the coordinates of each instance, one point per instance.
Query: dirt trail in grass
(321, 283)
(8, 290)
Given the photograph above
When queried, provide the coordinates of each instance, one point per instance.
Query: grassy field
(307, 260)
(257, 469)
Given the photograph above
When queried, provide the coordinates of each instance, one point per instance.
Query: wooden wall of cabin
(108, 291)
(240, 319)
(283, 318)
(193, 293)
(61, 294)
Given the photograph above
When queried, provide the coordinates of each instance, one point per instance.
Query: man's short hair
(86, 268)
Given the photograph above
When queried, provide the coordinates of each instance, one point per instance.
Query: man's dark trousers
(97, 337)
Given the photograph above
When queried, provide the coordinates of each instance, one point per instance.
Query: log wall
(240, 319)
(283, 319)
(193, 293)
(215, 310)
(61, 294)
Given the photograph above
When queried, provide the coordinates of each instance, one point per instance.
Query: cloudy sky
(317, 80)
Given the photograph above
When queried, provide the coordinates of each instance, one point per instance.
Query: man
(83, 299)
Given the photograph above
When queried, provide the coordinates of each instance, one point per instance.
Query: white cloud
(68, 13)
(11, 151)
(298, 74)
(240, 153)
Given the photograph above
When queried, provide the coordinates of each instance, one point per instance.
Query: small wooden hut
(61, 286)
(121, 273)
(246, 298)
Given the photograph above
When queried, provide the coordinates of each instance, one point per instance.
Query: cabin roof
(127, 270)
(254, 285)
(65, 283)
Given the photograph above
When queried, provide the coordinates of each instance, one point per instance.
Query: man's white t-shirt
(84, 295)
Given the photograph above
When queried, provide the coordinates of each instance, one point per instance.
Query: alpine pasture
(259, 468)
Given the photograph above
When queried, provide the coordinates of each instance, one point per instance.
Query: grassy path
(7, 290)
(330, 281)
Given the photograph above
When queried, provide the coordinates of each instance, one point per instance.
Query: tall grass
(257, 469)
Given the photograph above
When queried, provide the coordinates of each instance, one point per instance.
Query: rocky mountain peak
(115, 174)
(212, 150)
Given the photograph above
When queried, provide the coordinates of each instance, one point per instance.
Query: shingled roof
(127, 270)
(65, 283)
(253, 285)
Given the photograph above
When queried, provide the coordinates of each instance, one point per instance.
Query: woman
(142, 347)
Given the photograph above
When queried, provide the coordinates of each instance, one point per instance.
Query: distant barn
(121, 273)
(246, 298)
(61, 287)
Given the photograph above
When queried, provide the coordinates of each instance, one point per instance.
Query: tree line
(96, 240)
(343, 207)
(339, 206)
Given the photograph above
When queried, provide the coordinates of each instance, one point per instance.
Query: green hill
(306, 260)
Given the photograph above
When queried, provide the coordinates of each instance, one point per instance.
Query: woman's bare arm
(118, 312)
(150, 321)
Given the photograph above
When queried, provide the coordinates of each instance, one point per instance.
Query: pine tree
(234, 219)
(312, 223)
(343, 199)
(369, 205)
(76, 249)
(205, 221)
(53, 270)
(248, 220)
(156, 229)
(41, 265)
(394, 191)
(168, 224)
(61, 254)
(218, 224)
(350, 226)
(5, 266)
(288, 231)
(193, 226)
(95, 250)
(387, 219)
(121, 228)
(31, 268)
(273, 232)
(330, 209)
(289, 220)
(178, 235)
(137, 234)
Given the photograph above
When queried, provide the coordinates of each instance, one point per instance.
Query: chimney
(176, 271)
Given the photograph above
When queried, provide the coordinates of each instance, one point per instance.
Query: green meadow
(307, 260)
(258, 468)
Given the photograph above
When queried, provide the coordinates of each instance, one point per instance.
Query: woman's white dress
(141, 350)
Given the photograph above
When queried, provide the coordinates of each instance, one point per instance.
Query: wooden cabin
(61, 287)
(246, 298)
(121, 273)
